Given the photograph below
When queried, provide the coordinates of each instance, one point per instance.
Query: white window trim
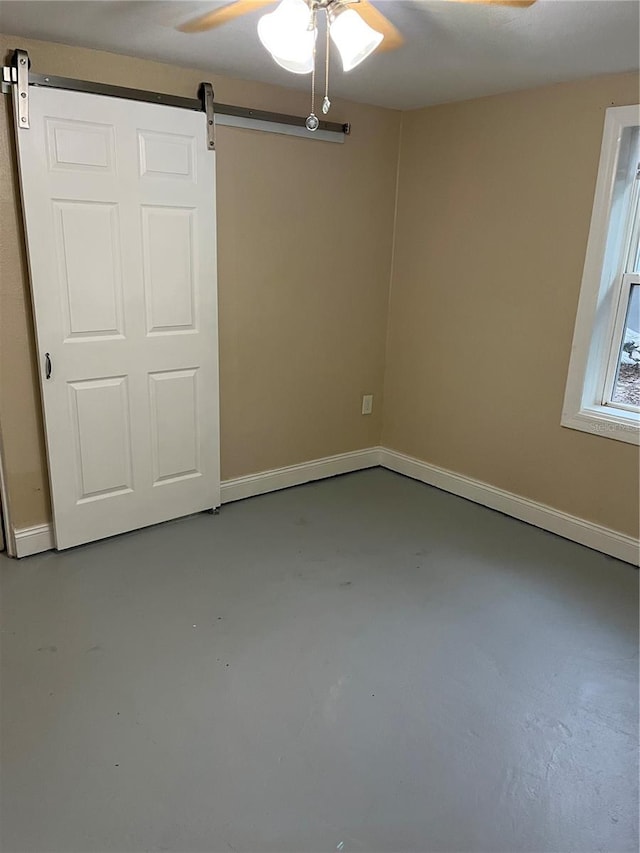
(583, 403)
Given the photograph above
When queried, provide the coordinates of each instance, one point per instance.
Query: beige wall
(305, 233)
(494, 205)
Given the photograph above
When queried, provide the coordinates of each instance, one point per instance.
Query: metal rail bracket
(9, 77)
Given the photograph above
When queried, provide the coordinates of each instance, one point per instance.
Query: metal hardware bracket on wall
(17, 74)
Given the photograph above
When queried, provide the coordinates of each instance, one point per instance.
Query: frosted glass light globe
(287, 36)
(353, 37)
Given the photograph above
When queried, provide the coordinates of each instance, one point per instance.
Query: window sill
(618, 424)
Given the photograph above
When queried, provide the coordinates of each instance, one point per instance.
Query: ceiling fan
(356, 27)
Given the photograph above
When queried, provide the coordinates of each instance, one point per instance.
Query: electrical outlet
(367, 404)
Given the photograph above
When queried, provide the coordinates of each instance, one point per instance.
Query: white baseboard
(569, 526)
(34, 540)
(296, 475)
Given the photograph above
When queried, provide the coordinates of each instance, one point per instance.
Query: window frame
(598, 328)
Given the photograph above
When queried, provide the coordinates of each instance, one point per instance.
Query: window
(603, 385)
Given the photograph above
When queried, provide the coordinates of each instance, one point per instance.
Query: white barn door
(119, 207)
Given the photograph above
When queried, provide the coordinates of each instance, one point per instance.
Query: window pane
(626, 388)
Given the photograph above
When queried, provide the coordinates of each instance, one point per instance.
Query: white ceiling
(453, 51)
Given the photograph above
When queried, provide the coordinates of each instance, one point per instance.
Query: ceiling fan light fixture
(353, 37)
(289, 36)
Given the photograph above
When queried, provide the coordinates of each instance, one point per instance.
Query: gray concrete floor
(360, 664)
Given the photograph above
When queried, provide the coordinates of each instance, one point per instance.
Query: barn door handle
(47, 365)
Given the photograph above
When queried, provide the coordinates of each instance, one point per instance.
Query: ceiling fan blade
(392, 37)
(227, 13)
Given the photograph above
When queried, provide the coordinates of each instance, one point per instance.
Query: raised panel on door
(80, 145)
(166, 155)
(170, 269)
(102, 437)
(91, 293)
(119, 205)
(173, 398)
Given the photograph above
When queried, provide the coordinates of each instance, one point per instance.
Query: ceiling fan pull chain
(313, 84)
(313, 122)
(326, 104)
